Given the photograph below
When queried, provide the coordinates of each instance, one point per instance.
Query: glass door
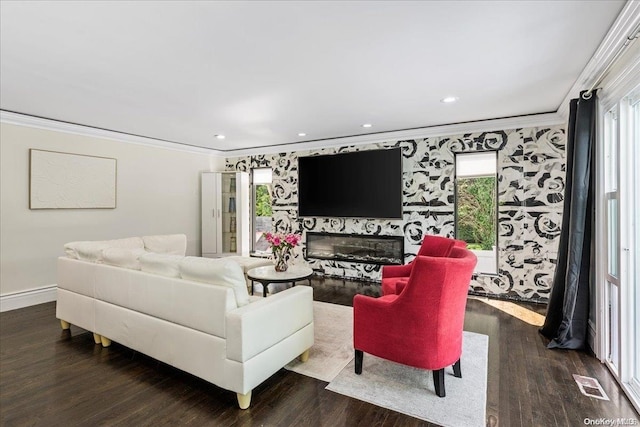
(633, 252)
(611, 276)
(229, 220)
(620, 238)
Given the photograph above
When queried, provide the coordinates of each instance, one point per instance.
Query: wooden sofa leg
(65, 325)
(244, 400)
(106, 342)
(359, 357)
(457, 370)
(96, 338)
(304, 356)
(438, 382)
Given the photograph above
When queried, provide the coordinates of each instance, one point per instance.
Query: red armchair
(436, 246)
(422, 326)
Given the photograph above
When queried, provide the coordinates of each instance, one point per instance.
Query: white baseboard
(28, 298)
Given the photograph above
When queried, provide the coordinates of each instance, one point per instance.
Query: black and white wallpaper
(531, 169)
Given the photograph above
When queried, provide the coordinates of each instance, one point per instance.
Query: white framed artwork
(71, 181)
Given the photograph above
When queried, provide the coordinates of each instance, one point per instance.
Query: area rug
(410, 391)
(333, 342)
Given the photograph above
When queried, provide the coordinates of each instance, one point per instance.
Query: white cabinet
(225, 214)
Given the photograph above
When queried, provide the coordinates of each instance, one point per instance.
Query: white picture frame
(60, 180)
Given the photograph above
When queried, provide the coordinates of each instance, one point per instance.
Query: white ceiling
(261, 72)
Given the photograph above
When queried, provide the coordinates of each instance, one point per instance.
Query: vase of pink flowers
(281, 245)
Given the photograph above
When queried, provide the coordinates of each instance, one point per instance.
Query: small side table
(268, 274)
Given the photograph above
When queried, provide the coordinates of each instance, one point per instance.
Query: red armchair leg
(359, 357)
(438, 382)
(457, 371)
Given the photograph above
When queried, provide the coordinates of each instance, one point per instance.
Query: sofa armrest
(254, 328)
(396, 270)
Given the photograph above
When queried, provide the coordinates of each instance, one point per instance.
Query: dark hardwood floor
(50, 377)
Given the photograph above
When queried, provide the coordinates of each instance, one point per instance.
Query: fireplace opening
(361, 248)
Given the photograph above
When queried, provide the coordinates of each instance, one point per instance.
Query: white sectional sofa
(191, 313)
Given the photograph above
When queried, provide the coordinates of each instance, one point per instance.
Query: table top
(294, 272)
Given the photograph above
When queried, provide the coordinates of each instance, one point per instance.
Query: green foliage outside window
(476, 210)
(263, 200)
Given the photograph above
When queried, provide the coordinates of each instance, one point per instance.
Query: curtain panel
(566, 322)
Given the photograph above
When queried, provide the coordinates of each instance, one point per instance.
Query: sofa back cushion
(161, 264)
(123, 257)
(218, 271)
(174, 244)
(92, 250)
(198, 306)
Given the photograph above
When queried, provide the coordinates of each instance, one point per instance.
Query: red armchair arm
(381, 327)
(372, 316)
(400, 286)
(396, 270)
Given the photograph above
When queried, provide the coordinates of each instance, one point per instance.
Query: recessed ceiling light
(367, 125)
(220, 136)
(302, 134)
(449, 99)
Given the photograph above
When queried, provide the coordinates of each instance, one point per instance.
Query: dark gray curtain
(568, 308)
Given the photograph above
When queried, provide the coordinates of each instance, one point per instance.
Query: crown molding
(626, 22)
(623, 78)
(534, 120)
(18, 119)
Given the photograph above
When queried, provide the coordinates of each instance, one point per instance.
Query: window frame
(496, 204)
(252, 211)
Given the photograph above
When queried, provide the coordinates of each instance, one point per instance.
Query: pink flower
(281, 241)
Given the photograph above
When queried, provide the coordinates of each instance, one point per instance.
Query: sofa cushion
(219, 271)
(175, 244)
(161, 264)
(123, 257)
(92, 250)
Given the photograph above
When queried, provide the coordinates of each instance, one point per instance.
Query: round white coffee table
(268, 274)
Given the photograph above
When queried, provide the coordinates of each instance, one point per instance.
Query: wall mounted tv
(362, 184)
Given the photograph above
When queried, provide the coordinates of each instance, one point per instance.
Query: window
(634, 315)
(476, 206)
(618, 277)
(261, 209)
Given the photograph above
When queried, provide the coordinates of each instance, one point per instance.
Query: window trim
(497, 204)
(252, 211)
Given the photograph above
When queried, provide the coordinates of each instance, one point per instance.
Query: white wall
(158, 192)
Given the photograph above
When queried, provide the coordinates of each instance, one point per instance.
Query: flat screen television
(361, 184)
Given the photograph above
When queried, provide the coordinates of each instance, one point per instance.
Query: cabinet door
(210, 214)
(243, 196)
(229, 222)
(225, 213)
